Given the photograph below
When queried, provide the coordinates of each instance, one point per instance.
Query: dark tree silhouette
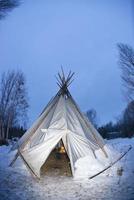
(127, 124)
(6, 6)
(92, 116)
(13, 101)
(126, 60)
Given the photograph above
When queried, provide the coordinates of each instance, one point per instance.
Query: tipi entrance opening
(57, 163)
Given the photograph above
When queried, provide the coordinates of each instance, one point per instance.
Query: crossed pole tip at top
(64, 81)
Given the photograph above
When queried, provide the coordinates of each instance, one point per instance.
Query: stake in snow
(64, 133)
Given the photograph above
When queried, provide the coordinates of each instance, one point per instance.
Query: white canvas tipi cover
(61, 119)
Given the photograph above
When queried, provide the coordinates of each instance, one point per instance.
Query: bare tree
(126, 60)
(92, 116)
(7, 5)
(13, 101)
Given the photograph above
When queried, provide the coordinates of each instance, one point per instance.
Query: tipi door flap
(37, 156)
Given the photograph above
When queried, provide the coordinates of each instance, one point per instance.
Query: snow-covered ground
(17, 183)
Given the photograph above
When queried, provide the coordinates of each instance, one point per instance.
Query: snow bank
(6, 156)
(89, 166)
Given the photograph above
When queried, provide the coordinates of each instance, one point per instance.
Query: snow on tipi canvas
(60, 123)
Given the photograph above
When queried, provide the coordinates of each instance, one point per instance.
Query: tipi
(61, 120)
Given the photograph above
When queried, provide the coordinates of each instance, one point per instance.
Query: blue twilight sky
(40, 36)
